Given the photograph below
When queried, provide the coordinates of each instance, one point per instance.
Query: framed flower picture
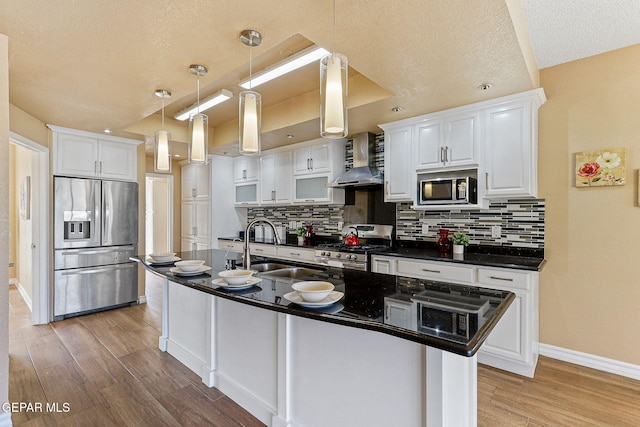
(600, 168)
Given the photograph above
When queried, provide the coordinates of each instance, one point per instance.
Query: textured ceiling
(95, 64)
(563, 31)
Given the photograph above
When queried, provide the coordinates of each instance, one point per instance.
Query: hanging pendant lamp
(198, 125)
(333, 92)
(162, 158)
(250, 105)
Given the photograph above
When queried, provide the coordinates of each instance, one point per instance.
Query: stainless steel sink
(292, 272)
(268, 266)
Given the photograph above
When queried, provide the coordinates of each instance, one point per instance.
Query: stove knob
(323, 253)
(354, 257)
(338, 255)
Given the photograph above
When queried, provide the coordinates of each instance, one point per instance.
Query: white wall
(4, 226)
(24, 263)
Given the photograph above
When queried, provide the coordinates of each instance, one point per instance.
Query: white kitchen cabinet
(400, 313)
(246, 175)
(511, 146)
(315, 164)
(196, 181)
(312, 159)
(440, 271)
(399, 165)
(275, 178)
(263, 249)
(231, 246)
(85, 154)
(196, 218)
(296, 253)
(384, 264)
(447, 142)
(188, 245)
(513, 343)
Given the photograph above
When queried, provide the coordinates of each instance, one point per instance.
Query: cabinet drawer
(435, 271)
(230, 246)
(263, 250)
(383, 264)
(504, 278)
(296, 254)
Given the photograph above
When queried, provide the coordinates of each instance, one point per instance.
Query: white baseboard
(25, 296)
(5, 419)
(142, 299)
(591, 361)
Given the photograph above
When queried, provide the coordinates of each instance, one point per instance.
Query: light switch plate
(340, 225)
(496, 230)
(425, 228)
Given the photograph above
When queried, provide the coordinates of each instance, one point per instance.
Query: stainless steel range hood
(363, 173)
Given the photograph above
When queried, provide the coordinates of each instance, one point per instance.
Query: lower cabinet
(513, 343)
(187, 244)
(296, 253)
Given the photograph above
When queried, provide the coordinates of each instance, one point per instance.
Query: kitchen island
(340, 365)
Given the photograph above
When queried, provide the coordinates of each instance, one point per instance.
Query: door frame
(169, 207)
(41, 302)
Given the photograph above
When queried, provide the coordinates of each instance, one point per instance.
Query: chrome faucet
(246, 257)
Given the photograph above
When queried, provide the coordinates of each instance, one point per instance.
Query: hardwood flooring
(108, 369)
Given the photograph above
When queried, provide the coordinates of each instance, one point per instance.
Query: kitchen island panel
(382, 376)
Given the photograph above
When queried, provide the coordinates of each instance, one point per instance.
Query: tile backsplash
(521, 221)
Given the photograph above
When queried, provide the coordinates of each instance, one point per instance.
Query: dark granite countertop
(361, 307)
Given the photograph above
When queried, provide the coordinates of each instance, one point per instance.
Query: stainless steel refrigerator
(95, 233)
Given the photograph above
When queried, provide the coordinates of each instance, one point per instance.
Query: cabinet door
(246, 168)
(508, 338)
(202, 220)
(461, 140)
(398, 314)
(75, 155)
(267, 179)
(399, 169)
(117, 160)
(509, 154)
(384, 265)
(195, 181)
(301, 161)
(311, 189)
(429, 144)
(188, 227)
(246, 194)
(320, 158)
(282, 178)
(187, 245)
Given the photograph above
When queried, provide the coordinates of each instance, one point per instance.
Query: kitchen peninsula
(339, 366)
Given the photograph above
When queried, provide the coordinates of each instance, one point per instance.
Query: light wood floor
(109, 370)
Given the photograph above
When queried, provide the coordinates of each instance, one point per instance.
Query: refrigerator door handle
(80, 271)
(96, 251)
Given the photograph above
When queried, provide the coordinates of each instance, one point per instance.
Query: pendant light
(162, 158)
(250, 104)
(333, 92)
(198, 125)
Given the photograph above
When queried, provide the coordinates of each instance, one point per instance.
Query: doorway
(159, 213)
(31, 219)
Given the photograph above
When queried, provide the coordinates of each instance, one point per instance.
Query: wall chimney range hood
(363, 173)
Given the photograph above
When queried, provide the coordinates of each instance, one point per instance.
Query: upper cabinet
(86, 154)
(313, 159)
(275, 178)
(496, 140)
(511, 147)
(246, 174)
(449, 141)
(399, 167)
(195, 181)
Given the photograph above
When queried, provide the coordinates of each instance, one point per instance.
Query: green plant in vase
(459, 240)
(300, 233)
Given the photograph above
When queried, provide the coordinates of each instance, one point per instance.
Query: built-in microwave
(447, 190)
(452, 316)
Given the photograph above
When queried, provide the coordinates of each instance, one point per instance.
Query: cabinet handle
(431, 271)
(386, 314)
(506, 279)
(311, 161)
(193, 192)
(195, 230)
(486, 180)
(244, 174)
(294, 253)
(95, 166)
(386, 188)
(308, 164)
(446, 154)
(273, 195)
(100, 167)
(258, 250)
(442, 154)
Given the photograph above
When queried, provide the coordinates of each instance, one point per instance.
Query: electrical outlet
(340, 225)
(425, 228)
(496, 230)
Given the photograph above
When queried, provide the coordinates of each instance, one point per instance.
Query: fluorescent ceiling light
(215, 99)
(300, 59)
